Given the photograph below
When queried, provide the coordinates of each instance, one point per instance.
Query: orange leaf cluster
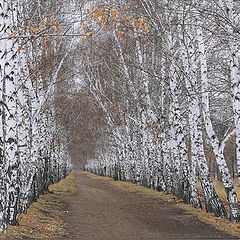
(45, 29)
(114, 17)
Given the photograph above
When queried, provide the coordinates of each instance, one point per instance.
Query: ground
(86, 206)
(102, 208)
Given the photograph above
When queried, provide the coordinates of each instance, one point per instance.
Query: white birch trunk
(189, 66)
(215, 143)
(9, 89)
(212, 201)
(3, 185)
(232, 12)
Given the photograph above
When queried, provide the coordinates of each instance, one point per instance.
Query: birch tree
(180, 73)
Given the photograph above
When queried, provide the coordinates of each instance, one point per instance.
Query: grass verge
(219, 223)
(44, 217)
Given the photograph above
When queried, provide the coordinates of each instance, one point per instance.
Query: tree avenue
(33, 147)
(146, 91)
(166, 75)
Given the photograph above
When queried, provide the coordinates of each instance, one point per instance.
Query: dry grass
(43, 219)
(220, 223)
(220, 189)
(221, 192)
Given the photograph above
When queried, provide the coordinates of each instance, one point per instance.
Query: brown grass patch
(44, 217)
(221, 191)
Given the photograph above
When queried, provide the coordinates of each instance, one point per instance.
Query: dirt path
(99, 210)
